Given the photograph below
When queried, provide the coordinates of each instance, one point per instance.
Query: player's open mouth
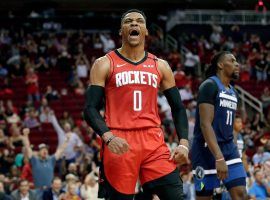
(134, 33)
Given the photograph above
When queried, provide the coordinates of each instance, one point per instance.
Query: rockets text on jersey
(131, 92)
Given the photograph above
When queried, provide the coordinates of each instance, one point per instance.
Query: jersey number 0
(137, 100)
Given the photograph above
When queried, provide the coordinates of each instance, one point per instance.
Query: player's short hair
(130, 11)
(213, 67)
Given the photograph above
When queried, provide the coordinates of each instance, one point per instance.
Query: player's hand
(180, 155)
(222, 169)
(118, 146)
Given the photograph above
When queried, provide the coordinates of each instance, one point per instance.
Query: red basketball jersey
(131, 92)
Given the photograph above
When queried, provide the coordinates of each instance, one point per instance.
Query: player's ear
(146, 33)
(120, 32)
(220, 66)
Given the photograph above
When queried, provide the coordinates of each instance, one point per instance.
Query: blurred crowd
(30, 171)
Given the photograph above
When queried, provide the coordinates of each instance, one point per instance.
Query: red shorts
(146, 160)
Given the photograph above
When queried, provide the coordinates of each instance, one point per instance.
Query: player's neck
(134, 54)
(225, 80)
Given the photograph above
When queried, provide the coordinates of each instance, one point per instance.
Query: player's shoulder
(208, 84)
(101, 63)
(102, 60)
(163, 64)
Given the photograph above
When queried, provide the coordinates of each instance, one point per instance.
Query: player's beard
(235, 76)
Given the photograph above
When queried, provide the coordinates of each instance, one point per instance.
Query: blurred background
(46, 52)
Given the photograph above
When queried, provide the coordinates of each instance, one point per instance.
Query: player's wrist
(184, 147)
(106, 136)
(219, 157)
(185, 143)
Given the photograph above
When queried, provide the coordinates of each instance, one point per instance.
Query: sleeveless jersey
(224, 113)
(131, 92)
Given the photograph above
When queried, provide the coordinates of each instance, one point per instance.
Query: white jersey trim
(214, 171)
(226, 96)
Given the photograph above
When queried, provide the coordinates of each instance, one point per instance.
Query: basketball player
(215, 158)
(129, 78)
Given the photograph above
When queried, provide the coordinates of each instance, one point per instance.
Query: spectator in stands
(260, 157)
(16, 70)
(188, 186)
(51, 94)
(64, 60)
(70, 193)
(259, 189)
(44, 116)
(11, 116)
(2, 116)
(11, 107)
(107, 42)
(4, 140)
(44, 103)
(3, 195)
(42, 65)
(192, 61)
(79, 88)
(31, 119)
(82, 66)
(253, 58)
(74, 145)
(72, 169)
(5, 88)
(174, 59)
(72, 179)
(24, 192)
(216, 37)
(265, 97)
(186, 93)
(229, 45)
(97, 44)
(261, 68)
(14, 174)
(89, 189)
(179, 76)
(31, 81)
(244, 72)
(66, 118)
(27, 170)
(54, 192)
(15, 139)
(171, 142)
(6, 161)
(43, 164)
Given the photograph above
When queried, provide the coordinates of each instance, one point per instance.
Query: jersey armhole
(111, 68)
(158, 71)
(155, 59)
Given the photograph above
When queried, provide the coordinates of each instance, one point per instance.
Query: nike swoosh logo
(121, 65)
